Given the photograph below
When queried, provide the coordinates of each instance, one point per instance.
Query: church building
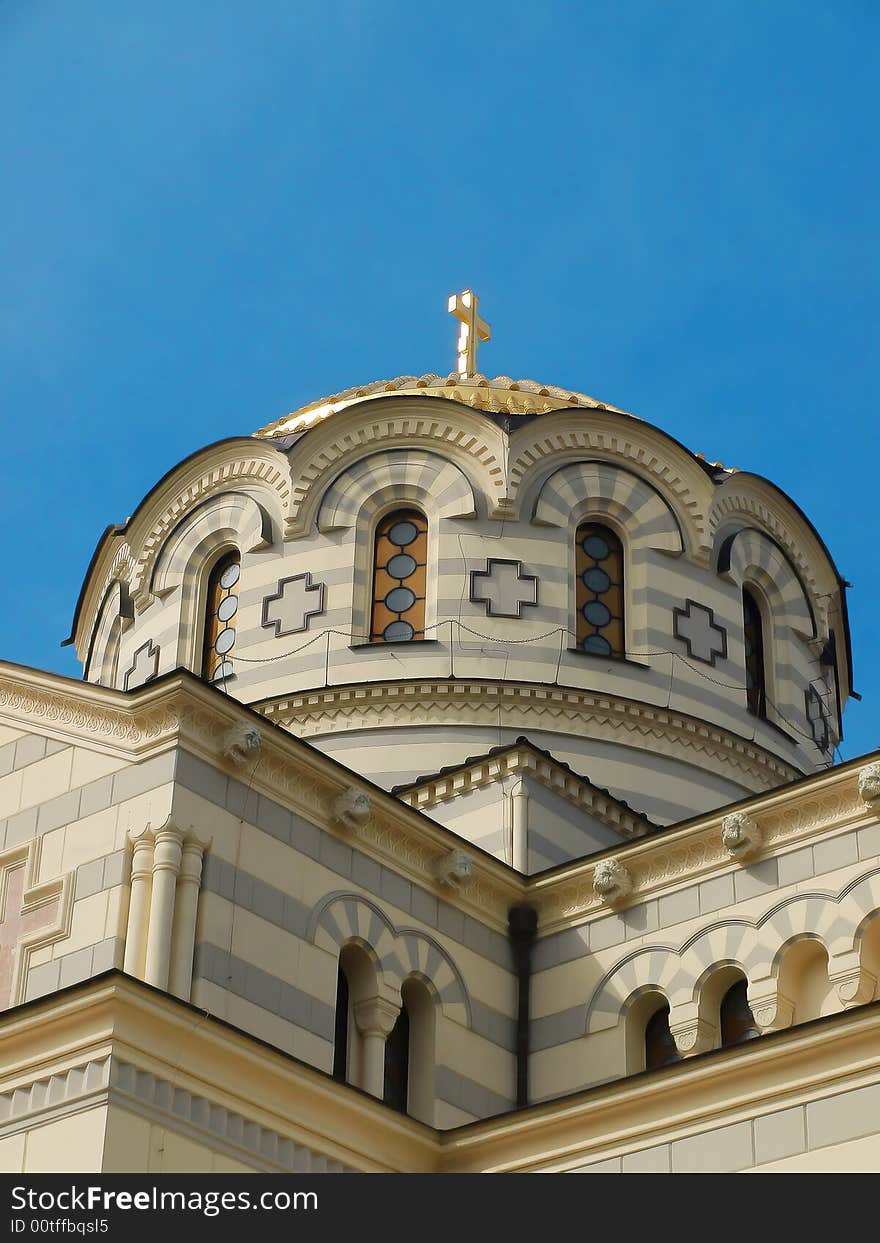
(450, 788)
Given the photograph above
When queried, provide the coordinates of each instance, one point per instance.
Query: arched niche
(646, 1025)
(229, 521)
(601, 490)
(745, 556)
(439, 486)
(399, 425)
(115, 615)
(541, 446)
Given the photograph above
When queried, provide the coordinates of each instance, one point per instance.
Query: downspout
(522, 923)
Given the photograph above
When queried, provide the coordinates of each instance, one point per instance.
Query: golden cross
(473, 330)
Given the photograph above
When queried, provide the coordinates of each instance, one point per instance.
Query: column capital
(771, 1009)
(191, 861)
(854, 983)
(691, 1033)
(169, 831)
(376, 1016)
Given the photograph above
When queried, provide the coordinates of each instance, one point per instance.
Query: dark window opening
(397, 1063)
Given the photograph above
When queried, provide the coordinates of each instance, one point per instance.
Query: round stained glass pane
(597, 645)
(223, 671)
(398, 632)
(597, 613)
(224, 641)
(594, 546)
(399, 599)
(230, 575)
(227, 608)
(596, 580)
(401, 566)
(403, 533)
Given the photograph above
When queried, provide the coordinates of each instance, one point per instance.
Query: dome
(500, 395)
(413, 573)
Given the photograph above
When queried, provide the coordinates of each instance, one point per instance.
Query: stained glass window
(599, 593)
(737, 1020)
(756, 691)
(397, 1063)
(399, 578)
(660, 1048)
(220, 612)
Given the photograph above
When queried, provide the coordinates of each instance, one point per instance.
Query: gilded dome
(500, 395)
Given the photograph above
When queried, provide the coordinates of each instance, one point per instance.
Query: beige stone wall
(74, 1144)
(838, 1133)
(264, 958)
(65, 813)
(801, 924)
(280, 898)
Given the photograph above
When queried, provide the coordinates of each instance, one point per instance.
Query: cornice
(527, 706)
(84, 714)
(109, 1080)
(522, 758)
(822, 805)
(180, 710)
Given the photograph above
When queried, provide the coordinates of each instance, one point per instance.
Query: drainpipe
(522, 923)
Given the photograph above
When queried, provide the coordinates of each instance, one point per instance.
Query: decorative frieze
(529, 706)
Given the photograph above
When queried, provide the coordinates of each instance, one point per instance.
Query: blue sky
(213, 213)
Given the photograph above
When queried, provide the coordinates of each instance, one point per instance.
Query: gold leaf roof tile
(501, 395)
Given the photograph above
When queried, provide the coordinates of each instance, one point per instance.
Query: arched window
(599, 591)
(221, 606)
(356, 984)
(422, 1014)
(756, 684)
(737, 1020)
(399, 577)
(396, 1092)
(340, 1038)
(660, 1048)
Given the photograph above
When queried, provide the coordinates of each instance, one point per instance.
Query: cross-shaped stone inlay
(503, 588)
(26, 912)
(144, 666)
(695, 626)
(817, 718)
(295, 601)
